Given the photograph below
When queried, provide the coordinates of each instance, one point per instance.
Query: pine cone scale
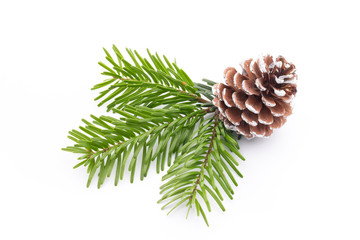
(278, 110)
(239, 99)
(253, 104)
(227, 97)
(234, 115)
(265, 117)
(268, 100)
(257, 70)
(249, 117)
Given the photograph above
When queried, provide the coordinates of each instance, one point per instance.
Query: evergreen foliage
(160, 116)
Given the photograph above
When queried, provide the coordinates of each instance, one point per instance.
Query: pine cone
(256, 100)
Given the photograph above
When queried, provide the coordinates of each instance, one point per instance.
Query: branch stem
(207, 110)
(191, 94)
(207, 154)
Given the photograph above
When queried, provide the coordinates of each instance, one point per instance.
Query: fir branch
(138, 93)
(160, 113)
(167, 78)
(203, 166)
(108, 139)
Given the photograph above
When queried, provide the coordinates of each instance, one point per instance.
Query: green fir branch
(155, 81)
(203, 167)
(160, 116)
(108, 140)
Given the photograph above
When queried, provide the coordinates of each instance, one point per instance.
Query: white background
(302, 183)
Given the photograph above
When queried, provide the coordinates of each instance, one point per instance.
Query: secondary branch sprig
(207, 156)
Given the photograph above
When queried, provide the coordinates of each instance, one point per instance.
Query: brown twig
(197, 97)
(193, 95)
(207, 154)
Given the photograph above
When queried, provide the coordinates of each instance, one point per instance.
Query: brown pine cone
(256, 100)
